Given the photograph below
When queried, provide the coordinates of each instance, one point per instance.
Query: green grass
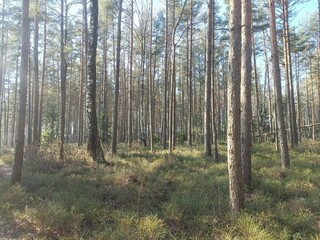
(147, 195)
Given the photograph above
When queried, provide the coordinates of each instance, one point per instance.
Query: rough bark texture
(285, 161)
(19, 138)
(94, 146)
(246, 78)
(233, 92)
(116, 87)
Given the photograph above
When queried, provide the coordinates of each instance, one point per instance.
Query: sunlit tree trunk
(35, 136)
(19, 138)
(233, 131)
(44, 56)
(285, 161)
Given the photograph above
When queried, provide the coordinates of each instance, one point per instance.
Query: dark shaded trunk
(94, 146)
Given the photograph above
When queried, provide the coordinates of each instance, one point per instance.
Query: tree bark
(285, 161)
(213, 87)
(35, 136)
(151, 124)
(63, 78)
(94, 146)
(19, 138)
(130, 114)
(44, 56)
(117, 80)
(246, 78)
(233, 131)
(207, 92)
(166, 76)
(190, 73)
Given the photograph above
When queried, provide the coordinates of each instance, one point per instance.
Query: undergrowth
(154, 195)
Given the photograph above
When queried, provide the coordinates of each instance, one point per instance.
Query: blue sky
(305, 10)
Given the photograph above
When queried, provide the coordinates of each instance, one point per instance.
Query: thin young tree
(285, 161)
(35, 135)
(246, 78)
(151, 123)
(19, 137)
(233, 110)
(207, 92)
(213, 88)
(190, 73)
(83, 73)
(44, 56)
(166, 76)
(117, 81)
(289, 75)
(94, 146)
(63, 78)
(130, 114)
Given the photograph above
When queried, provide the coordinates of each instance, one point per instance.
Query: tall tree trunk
(256, 85)
(151, 98)
(63, 78)
(35, 136)
(288, 62)
(83, 74)
(2, 44)
(105, 111)
(116, 87)
(44, 56)
(233, 131)
(94, 146)
(19, 138)
(213, 91)
(190, 72)
(166, 76)
(285, 161)
(246, 78)
(207, 92)
(13, 120)
(270, 112)
(130, 114)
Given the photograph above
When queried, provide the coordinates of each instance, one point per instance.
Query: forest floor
(8, 230)
(155, 195)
